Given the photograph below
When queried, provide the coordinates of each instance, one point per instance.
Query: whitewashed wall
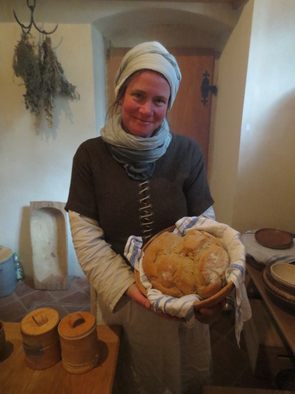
(266, 182)
(226, 127)
(253, 157)
(35, 161)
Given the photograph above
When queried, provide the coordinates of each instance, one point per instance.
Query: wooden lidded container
(78, 339)
(40, 338)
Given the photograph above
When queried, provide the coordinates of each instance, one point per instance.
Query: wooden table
(284, 320)
(16, 377)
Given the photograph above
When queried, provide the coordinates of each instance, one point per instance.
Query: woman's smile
(143, 121)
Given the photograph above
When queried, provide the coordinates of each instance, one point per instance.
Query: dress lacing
(146, 215)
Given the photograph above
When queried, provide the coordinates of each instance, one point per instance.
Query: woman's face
(145, 103)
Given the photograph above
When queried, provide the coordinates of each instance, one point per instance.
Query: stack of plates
(284, 272)
(279, 279)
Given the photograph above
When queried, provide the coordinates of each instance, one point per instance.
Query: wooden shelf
(284, 320)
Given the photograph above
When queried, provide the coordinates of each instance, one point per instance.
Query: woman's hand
(134, 293)
(209, 314)
(204, 315)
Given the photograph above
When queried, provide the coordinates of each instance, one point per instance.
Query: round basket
(204, 303)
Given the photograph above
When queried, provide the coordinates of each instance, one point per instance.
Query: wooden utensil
(280, 294)
(216, 298)
(274, 239)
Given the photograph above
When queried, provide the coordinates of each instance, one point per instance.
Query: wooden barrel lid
(39, 321)
(5, 254)
(76, 325)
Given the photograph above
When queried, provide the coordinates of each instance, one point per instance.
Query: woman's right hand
(134, 293)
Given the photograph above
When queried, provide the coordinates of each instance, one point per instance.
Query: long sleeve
(106, 270)
(209, 213)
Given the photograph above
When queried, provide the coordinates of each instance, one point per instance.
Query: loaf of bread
(191, 264)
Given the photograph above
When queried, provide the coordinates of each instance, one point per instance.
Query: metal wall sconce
(206, 88)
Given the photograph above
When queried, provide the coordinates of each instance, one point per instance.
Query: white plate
(284, 272)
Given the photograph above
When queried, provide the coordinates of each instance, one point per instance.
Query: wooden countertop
(285, 320)
(16, 377)
(240, 390)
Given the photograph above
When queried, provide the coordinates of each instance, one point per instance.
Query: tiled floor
(25, 298)
(230, 363)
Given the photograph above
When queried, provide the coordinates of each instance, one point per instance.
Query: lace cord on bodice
(146, 215)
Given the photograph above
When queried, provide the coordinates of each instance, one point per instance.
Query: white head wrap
(151, 56)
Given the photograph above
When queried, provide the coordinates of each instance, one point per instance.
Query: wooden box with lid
(78, 339)
(40, 338)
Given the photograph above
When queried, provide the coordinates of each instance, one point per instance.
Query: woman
(137, 179)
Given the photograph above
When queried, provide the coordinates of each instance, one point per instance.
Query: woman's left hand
(209, 314)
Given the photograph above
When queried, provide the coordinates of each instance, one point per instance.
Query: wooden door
(189, 116)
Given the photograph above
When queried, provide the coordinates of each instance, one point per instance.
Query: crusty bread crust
(192, 264)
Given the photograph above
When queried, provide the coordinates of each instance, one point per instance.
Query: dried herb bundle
(54, 82)
(26, 66)
(42, 74)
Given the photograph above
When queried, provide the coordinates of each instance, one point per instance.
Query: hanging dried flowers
(26, 66)
(42, 74)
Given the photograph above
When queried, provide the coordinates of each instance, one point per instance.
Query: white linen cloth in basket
(183, 307)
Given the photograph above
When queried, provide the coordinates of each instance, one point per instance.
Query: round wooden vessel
(274, 239)
(282, 295)
(205, 303)
(79, 345)
(40, 338)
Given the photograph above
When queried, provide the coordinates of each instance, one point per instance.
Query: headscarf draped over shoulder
(150, 56)
(138, 155)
